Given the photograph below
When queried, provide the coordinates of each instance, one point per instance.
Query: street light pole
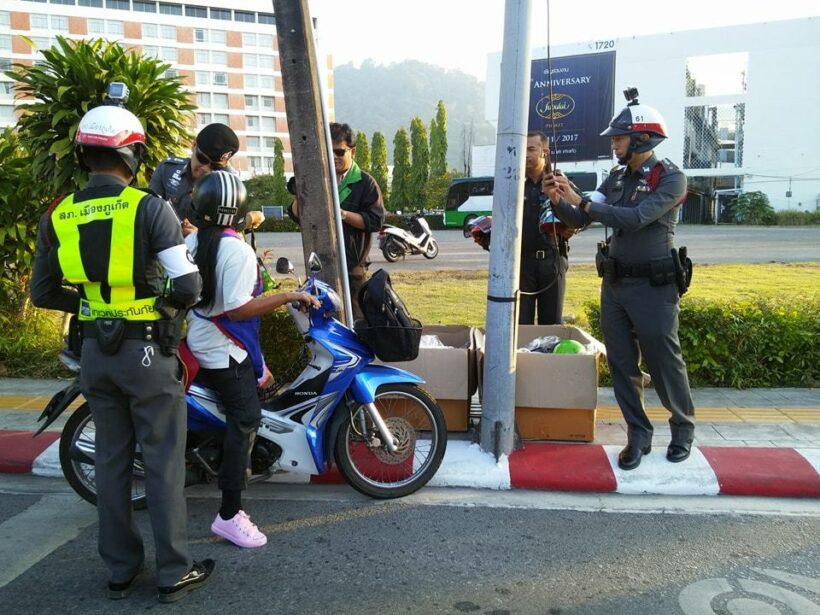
(498, 411)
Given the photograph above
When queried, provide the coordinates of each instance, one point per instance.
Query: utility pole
(498, 408)
(315, 179)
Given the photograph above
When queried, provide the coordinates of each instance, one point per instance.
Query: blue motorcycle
(386, 434)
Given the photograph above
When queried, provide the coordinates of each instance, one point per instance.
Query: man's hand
(188, 228)
(556, 186)
(305, 300)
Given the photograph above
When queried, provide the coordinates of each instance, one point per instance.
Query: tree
(261, 189)
(399, 190)
(379, 165)
(753, 208)
(420, 165)
(362, 152)
(438, 141)
(74, 77)
(280, 194)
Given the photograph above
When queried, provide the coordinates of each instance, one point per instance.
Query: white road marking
(35, 533)
(812, 455)
(656, 475)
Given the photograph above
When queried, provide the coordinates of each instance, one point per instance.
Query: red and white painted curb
(772, 472)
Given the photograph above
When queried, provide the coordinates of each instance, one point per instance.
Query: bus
(471, 197)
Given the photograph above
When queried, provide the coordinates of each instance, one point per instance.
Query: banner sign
(579, 108)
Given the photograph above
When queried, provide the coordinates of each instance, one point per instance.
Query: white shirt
(235, 278)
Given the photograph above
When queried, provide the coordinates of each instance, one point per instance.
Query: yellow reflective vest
(88, 233)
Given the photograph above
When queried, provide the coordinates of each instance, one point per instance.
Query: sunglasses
(204, 159)
(340, 153)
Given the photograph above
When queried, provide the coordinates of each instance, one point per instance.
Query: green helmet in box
(569, 347)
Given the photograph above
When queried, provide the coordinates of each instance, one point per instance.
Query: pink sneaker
(240, 530)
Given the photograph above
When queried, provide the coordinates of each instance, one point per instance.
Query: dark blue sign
(577, 108)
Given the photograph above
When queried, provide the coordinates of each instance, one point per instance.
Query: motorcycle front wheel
(432, 249)
(416, 422)
(392, 251)
(77, 459)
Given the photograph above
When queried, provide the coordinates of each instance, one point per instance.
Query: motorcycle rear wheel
(392, 251)
(77, 456)
(432, 249)
(418, 424)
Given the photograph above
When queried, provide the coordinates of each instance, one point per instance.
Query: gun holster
(169, 329)
(604, 265)
(683, 269)
(110, 333)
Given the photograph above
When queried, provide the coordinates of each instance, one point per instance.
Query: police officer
(122, 250)
(544, 261)
(639, 295)
(175, 177)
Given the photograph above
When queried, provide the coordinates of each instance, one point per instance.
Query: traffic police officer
(640, 201)
(123, 252)
(175, 177)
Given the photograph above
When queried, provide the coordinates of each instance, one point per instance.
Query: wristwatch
(583, 204)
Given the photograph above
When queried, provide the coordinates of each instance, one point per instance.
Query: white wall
(782, 123)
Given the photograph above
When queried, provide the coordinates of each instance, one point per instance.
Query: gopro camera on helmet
(631, 95)
(117, 94)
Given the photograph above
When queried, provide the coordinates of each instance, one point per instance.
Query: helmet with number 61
(643, 123)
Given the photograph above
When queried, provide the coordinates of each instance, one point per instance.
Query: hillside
(385, 98)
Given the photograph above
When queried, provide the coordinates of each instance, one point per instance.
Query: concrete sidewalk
(763, 442)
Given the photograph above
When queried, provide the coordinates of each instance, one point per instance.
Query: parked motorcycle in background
(396, 243)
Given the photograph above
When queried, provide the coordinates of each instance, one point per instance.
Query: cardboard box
(449, 373)
(555, 395)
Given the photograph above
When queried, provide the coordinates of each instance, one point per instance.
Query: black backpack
(387, 328)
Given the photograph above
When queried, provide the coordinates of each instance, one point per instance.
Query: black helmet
(636, 119)
(220, 199)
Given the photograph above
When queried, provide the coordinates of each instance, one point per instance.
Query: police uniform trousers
(236, 385)
(543, 271)
(636, 319)
(136, 397)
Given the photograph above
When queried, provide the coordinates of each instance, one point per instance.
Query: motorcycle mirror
(314, 264)
(283, 265)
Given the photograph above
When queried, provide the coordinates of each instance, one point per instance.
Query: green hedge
(272, 225)
(795, 217)
(744, 344)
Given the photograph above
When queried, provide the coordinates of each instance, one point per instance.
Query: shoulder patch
(669, 165)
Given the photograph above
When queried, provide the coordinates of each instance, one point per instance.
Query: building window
(67, 2)
(267, 18)
(268, 124)
(5, 64)
(7, 114)
(38, 21)
(202, 56)
(220, 58)
(266, 41)
(168, 54)
(202, 77)
(151, 51)
(218, 37)
(203, 99)
(124, 5)
(267, 103)
(4, 19)
(220, 78)
(196, 11)
(717, 75)
(203, 119)
(714, 136)
(251, 81)
(6, 88)
(269, 143)
(252, 122)
(94, 3)
(5, 42)
(245, 16)
(253, 144)
(220, 101)
(266, 82)
(96, 26)
(248, 39)
(168, 33)
(221, 118)
(223, 14)
(200, 35)
(249, 60)
(41, 42)
(145, 7)
(114, 28)
(251, 102)
(171, 73)
(150, 30)
(256, 162)
(169, 9)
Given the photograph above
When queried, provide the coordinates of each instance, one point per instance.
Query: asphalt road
(706, 244)
(438, 551)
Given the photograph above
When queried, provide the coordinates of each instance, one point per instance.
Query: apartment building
(228, 57)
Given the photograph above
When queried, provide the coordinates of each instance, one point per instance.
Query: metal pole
(315, 178)
(498, 411)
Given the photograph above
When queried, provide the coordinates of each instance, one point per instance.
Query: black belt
(539, 255)
(134, 330)
(639, 270)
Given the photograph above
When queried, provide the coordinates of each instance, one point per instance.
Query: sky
(458, 34)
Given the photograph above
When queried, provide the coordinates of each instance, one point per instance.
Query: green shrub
(744, 343)
(795, 217)
(272, 225)
(753, 208)
(282, 345)
(29, 348)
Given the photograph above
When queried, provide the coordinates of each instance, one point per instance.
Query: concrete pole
(498, 411)
(315, 177)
